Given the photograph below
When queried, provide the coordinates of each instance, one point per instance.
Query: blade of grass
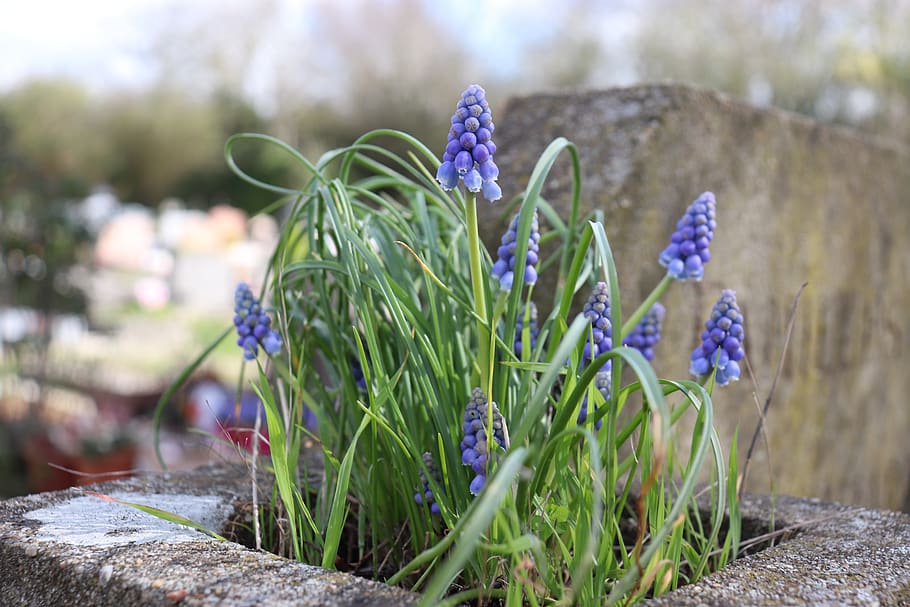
(159, 513)
(172, 389)
(339, 501)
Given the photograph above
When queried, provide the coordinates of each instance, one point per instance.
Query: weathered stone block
(797, 202)
(67, 548)
(831, 555)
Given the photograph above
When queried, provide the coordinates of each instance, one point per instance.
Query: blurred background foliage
(342, 68)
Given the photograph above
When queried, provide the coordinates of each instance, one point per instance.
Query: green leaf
(159, 513)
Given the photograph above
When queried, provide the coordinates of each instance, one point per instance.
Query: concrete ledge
(67, 548)
(840, 556)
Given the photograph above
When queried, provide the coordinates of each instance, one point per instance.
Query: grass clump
(473, 436)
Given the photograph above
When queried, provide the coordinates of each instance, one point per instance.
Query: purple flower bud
(472, 181)
(253, 325)
(469, 455)
(503, 267)
(464, 162)
(470, 147)
(488, 170)
(688, 251)
(475, 451)
(602, 383)
(722, 341)
(250, 346)
(453, 147)
(646, 333)
(480, 153)
(467, 141)
(533, 330)
(491, 191)
(447, 175)
(425, 494)
(597, 311)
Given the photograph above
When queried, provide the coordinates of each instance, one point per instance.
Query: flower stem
(639, 313)
(480, 301)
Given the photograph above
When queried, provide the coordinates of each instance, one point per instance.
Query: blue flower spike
(475, 446)
(357, 373)
(254, 327)
(721, 342)
(533, 329)
(469, 152)
(602, 382)
(646, 333)
(425, 495)
(597, 311)
(687, 253)
(504, 268)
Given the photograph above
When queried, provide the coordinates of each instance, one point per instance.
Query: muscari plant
(470, 448)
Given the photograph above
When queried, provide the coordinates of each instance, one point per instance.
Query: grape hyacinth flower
(254, 327)
(504, 268)
(533, 330)
(688, 252)
(425, 495)
(721, 342)
(475, 446)
(357, 369)
(360, 379)
(597, 311)
(602, 383)
(469, 152)
(646, 333)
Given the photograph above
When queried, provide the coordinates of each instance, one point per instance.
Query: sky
(93, 40)
(102, 43)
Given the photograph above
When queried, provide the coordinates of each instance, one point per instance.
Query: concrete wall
(797, 202)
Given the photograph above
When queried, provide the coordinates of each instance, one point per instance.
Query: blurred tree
(571, 53)
(872, 70)
(204, 49)
(381, 64)
(846, 61)
(53, 145)
(207, 185)
(320, 74)
(39, 246)
(159, 136)
(51, 150)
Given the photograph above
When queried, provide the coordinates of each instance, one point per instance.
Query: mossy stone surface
(797, 201)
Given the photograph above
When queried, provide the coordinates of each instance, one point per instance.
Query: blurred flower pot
(98, 467)
(39, 452)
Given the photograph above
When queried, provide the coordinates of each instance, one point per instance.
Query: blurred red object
(244, 437)
(39, 452)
